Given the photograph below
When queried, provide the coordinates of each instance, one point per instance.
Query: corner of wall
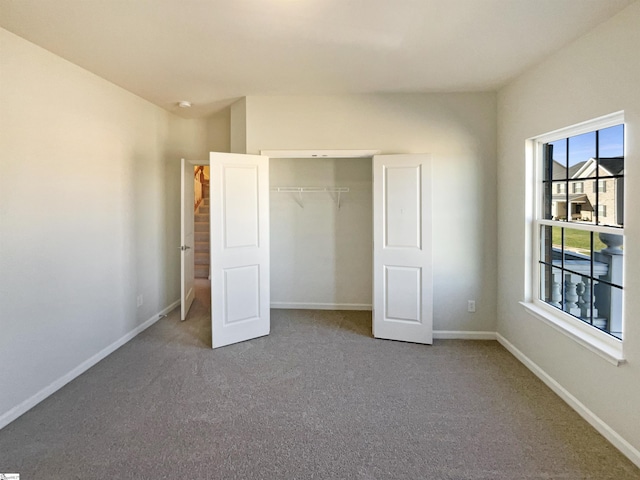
(238, 125)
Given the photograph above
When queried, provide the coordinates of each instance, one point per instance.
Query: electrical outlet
(140, 300)
(471, 306)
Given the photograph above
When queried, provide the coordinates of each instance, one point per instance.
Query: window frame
(605, 345)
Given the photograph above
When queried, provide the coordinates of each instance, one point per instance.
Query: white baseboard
(56, 385)
(321, 306)
(596, 422)
(463, 335)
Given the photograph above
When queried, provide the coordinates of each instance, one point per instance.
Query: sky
(583, 147)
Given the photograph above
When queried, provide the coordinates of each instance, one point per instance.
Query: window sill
(610, 348)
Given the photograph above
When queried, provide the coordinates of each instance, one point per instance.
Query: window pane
(611, 143)
(550, 244)
(577, 249)
(555, 161)
(598, 244)
(608, 309)
(574, 292)
(547, 201)
(611, 202)
(558, 207)
(551, 285)
(609, 252)
(581, 149)
(580, 207)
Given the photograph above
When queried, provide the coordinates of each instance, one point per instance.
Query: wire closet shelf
(338, 191)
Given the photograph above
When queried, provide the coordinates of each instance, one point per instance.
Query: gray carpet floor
(318, 398)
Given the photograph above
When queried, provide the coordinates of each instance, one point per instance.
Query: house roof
(611, 166)
(574, 169)
(614, 165)
(559, 171)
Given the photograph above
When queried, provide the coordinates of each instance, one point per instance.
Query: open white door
(187, 278)
(240, 291)
(402, 259)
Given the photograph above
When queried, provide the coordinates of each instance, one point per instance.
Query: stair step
(201, 218)
(201, 227)
(202, 247)
(203, 210)
(205, 201)
(201, 236)
(201, 258)
(202, 271)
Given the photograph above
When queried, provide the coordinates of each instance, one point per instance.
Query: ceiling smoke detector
(184, 104)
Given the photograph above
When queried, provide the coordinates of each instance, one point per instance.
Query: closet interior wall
(321, 253)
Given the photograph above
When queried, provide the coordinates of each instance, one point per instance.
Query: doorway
(201, 230)
(321, 216)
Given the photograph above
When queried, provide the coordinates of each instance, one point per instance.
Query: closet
(321, 233)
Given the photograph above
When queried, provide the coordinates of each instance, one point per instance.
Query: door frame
(190, 185)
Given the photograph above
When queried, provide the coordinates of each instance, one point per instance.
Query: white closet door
(187, 277)
(240, 293)
(402, 257)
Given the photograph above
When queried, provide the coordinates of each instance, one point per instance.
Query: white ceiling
(212, 52)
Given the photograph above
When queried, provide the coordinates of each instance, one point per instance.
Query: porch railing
(573, 293)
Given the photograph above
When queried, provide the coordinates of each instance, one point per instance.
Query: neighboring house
(585, 194)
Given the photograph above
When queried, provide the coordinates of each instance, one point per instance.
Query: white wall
(596, 75)
(89, 182)
(238, 121)
(459, 130)
(219, 131)
(321, 256)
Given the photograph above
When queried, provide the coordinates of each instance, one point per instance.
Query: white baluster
(586, 301)
(556, 294)
(582, 302)
(598, 322)
(571, 295)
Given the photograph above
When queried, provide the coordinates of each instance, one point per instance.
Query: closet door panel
(240, 290)
(402, 277)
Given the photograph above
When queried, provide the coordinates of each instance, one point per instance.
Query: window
(600, 186)
(578, 247)
(602, 211)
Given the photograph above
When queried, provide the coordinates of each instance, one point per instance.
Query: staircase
(201, 237)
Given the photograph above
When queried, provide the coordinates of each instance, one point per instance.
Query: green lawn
(577, 240)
